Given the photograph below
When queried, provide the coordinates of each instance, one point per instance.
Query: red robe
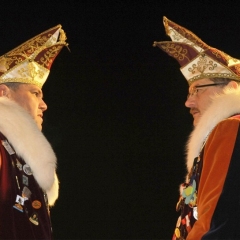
(27, 172)
(23, 209)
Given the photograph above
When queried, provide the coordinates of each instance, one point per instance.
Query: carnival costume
(28, 180)
(209, 199)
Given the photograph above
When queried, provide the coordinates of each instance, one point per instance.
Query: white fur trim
(30, 144)
(223, 106)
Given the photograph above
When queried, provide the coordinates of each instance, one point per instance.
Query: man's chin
(196, 118)
(39, 125)
(39, 122)
(195, 121)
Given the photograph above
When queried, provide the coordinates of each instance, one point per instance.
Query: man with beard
(209, 198)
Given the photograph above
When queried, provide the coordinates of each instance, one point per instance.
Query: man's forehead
(30, 87)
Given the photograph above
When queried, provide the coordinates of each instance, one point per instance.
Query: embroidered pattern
(186, 46)
(47, 59)
(212, 75)
(33, 59)
(237, 68)
(30, 71)
(202, 65)
(180, 37)
(190, 37)
(176, 51)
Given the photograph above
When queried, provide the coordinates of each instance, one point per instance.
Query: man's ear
(232, 84)
(4, 90)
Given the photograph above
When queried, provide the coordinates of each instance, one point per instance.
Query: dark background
(116, 117)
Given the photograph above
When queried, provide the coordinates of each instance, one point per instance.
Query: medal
(27, 169)
(36, 204)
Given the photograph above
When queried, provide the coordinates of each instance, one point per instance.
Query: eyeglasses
(194, 90)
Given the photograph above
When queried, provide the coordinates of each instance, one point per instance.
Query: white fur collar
(222, 106)
(30, 144)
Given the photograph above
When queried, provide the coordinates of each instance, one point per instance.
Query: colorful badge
(19, 203)
(36, 204)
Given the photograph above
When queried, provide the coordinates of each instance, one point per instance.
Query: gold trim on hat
(194, 63)
(31, 61)
(203, 66)
(176, 50)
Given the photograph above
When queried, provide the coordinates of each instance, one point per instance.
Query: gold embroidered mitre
(196, 58)
(31, 61)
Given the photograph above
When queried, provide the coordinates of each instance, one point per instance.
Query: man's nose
(190, 102)
(43, 105)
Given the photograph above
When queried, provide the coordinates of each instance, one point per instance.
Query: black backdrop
(116, 117)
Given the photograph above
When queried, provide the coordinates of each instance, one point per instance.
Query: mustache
(193, 110)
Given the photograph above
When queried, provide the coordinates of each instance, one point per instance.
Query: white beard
(223, 106)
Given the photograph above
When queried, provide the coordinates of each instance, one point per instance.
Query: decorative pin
(36, 204)
(25, 180)
(177, 232)
(19, 203)
(18, 207)
(7, 147)
(195, 213)
(17, 182)
(26, 193)
(34, 219)
(27, 169)
(19, 165)
(45, 198)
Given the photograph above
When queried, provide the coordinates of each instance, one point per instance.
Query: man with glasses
(209, 203)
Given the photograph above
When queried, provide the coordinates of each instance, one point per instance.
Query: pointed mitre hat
(196, 58)
(31, 61)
